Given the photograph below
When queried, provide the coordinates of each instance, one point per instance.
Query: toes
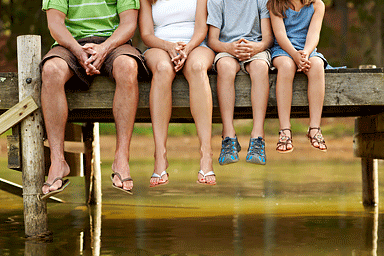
(127, 185)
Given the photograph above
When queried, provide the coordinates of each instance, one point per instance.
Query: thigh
(201, 55)
(57, 56)
(128, 50)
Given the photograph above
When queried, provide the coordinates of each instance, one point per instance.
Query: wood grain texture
(349, 92)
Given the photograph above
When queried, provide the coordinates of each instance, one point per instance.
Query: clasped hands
(178, 54)
(92, 57)
(302, 62)
(243, 49)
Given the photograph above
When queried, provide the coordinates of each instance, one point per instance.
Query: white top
(174, 20)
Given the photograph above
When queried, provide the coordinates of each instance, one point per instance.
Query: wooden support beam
(17, 113)
(369, 137)
(88, 170)
(35, 210)
(97, 192)
(370, 178)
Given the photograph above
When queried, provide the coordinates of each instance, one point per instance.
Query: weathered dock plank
(347, 94)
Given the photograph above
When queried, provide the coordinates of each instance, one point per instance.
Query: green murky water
(294, 208)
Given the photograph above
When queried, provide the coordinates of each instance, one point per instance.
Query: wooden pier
(349, 92)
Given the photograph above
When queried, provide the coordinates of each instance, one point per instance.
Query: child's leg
(286, 70)
(258, 71)
(227, 68)
(316, 90)
(195, 71)
(160, 100)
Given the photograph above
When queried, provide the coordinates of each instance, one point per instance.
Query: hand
(178, 55)
(97, 54)
(246, 49)
(302, 62)
(82, 56)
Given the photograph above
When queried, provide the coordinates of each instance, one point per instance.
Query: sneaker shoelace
(228, 147)
(256, 148)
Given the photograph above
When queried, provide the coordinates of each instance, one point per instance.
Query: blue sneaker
(256, 151)
(230, 148)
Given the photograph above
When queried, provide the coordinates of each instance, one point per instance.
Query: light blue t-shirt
(237, 19)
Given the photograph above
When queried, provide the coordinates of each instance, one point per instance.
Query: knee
(226, 68)
(317, 64)
(258, 67)
(53, 73)
(125, 67)
(287, 69)
(195, 67)
(164, 69)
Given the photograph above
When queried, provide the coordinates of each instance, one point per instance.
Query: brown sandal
(284, 140)
(318, 137)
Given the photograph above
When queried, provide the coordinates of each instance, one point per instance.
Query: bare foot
(122, 168)
(58, 169)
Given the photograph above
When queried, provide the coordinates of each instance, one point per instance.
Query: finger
(176, 58)
(90, 59)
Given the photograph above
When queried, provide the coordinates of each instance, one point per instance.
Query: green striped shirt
(85, 18)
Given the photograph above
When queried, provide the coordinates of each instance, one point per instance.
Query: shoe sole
(230, 162)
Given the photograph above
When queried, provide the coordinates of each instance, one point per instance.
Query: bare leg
(160, 99)
(258, 71)
(286, 73)
(227, 69)
(124, 111)
(316, 91)
(54, 104)
(195, 71)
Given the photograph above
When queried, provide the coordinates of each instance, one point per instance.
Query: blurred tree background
(352, 32)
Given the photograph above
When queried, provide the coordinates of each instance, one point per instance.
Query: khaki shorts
(265, 55)
(81, 80)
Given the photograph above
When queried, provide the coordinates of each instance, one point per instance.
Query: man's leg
(55, 74)
(125, 102)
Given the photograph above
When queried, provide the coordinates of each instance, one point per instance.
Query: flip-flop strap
(155, 175)
(50, 185)
(210, 173)
(119, 176)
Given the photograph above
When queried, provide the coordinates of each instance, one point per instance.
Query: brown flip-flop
(64, 184)
(122, 180)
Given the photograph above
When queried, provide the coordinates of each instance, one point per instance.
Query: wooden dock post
(29, 80)
(370, 178)
(368, 144)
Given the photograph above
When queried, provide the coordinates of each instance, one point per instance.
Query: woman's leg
(160, 102)
(195, 70)
(316, 91)
(286, 70)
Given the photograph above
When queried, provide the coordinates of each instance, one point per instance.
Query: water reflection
(253, 213)
(370, 232)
